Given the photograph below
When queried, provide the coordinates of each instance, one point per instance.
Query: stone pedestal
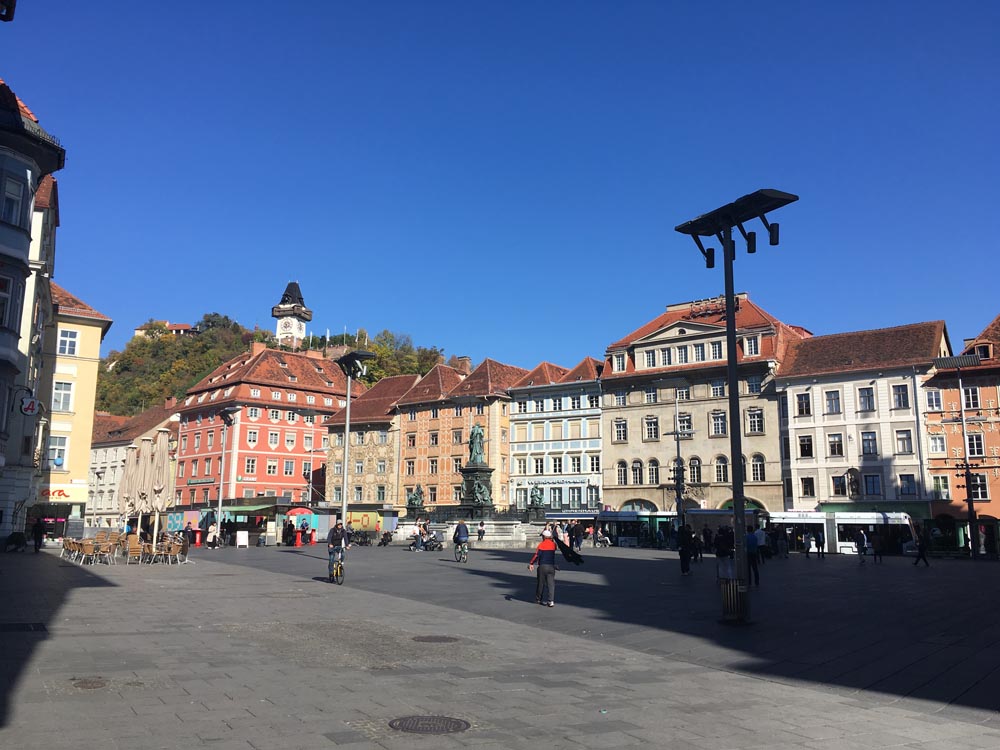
(474, 505)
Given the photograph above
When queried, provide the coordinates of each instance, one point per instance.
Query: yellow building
(68, 387)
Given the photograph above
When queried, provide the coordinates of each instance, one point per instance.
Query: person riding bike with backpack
(337, 541)
(461, 536)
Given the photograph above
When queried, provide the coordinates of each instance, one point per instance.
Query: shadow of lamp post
(719, 224)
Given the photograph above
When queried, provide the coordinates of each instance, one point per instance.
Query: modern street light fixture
(228, 415)
(353, 366)
(957, 363)
(719, 224)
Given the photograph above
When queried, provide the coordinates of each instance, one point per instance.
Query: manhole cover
(90, 683)
(429, 724)
(435, 639)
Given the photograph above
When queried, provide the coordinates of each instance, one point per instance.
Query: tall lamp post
(957, 363)
(228, 415)
(353, 366)
(719, 224)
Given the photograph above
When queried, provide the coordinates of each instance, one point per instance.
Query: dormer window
(983, 351)
(619, 362)
(751, 346)
(276, 395)
(255, 393)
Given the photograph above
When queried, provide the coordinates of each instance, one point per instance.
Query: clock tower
(292, 316)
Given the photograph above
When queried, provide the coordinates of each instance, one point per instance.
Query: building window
(971, 397)
(522, 407)
(383, 437)
(974, 445)
(58, 449)
(665, 357)
(411, 440)
(272, 439)
(433, 437)
(977, 487)
(621, 430)
(13, 197)
(682, 355)
(716, 349)
(699, 352)
(758, 470)
(276, 395)
(595, 463)
(907, 484)
(808, 487)
(62, 396)
(866, 399)
(411, 415)
(835, 442)
(621, 472)
(180, 469)
(755, 383)
(555, 497)
(650, 395)
(197, 441)
(67, 343)
(456, 465)
(869, 444)
(435, 412)
(904, 441)
(805, 446)
(194, 468)
(272, 467)
(684, 425)
(751, 346)
(574, 402)
(900, 397)
(873, 484)
(274, 414)
(250, 465)
(652, 428)
(594, 402)
(718, 388)
(718, 423)
(557, 403)
(575, 464)
(253, 412)
(208, 467)
(637, 472)
(755, 421)
(539, 465)
(359, 467)
(557, 464)
(380, 493)
(937, 444)
(521, 463)
(941, 490)
(833, 402)
(432, 466)
(721, 469)
(651, 358)
(289, 468)
(338, 468)
(410, 467)
(803, 405)
(694, 471)
(380, 466)
(840, 485)
(618, 361)
(933, 400)
(620, 398)
(289, 440)
(457, 411)
(683, 393)
(575, 497)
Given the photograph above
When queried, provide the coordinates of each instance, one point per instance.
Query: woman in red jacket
(545, 556)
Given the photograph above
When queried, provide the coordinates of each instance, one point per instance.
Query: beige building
(669, 377)
(69, 379)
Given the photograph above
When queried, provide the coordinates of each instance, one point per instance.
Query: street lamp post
(228, 415)
(719, 224)
(965, 360)
(353, 366)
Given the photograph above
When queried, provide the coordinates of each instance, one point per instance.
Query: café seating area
(107, 546)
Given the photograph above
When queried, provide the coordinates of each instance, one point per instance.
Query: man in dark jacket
(545, 556)
(38, 532)
(336, 543)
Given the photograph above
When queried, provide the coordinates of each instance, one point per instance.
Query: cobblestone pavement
(253, 649)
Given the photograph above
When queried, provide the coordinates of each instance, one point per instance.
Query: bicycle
(337, 567)
(462, 552)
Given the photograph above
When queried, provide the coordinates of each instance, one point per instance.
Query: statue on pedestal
(476, 445)
(415, 499)
(536, 497)
(481, 493)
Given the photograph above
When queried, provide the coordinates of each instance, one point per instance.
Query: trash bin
(197, 537)
(735, 603)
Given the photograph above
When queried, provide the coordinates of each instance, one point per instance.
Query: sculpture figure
(481, 493)
(476, 444)
(536, 497)
(415, 499)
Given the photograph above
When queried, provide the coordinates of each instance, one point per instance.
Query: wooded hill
(159, 365)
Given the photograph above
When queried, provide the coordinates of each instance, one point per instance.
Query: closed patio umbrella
(127, 483)
(161, 479)
(144, 479)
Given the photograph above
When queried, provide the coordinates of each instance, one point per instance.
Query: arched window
(622, 468)
(721, 469)
(637, 472)
(694, 471)
(757, 472)
(654, 471)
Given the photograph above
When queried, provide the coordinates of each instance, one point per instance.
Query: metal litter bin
(735, 603)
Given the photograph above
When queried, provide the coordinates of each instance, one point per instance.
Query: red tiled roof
(902, 346)
(588, 369)
(990, 334)
(544, 374)
(12, 102)
(108, 428)
(47, 195)
(378, 403)
(263, 367)
(434, 386)
(64, 303)
(491, 378)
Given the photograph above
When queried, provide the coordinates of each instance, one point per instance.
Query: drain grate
(23, 627)
(429, 724)
(90, 683)
(435, 639)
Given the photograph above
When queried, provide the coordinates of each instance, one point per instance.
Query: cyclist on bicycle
(461, 536)
(336, 542)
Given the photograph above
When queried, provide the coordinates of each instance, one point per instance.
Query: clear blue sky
(502, 179)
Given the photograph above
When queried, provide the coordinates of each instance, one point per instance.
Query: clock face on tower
(286, 325)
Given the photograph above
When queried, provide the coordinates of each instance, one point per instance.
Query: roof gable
(434, 386)
(544, 374)
(491, 378)
(378, 403)
(64, 303)
(588, 369)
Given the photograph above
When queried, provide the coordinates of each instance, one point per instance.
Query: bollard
(298, 537)
(197, 537)
(312, 536)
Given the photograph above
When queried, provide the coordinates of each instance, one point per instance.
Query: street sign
(29, 406)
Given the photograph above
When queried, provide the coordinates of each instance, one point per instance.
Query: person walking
(877, 545)
(545, 556)
(752, 556)
(782, 542)
(820, 539)
(807, 540)
(861, 543)
(922, 545)
(38, 533)
(761, 536)
(685, 545)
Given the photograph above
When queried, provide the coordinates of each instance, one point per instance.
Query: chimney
(257, 347)
(170, 403)
(463, 364)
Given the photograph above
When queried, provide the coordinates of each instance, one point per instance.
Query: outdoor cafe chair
(133, 549)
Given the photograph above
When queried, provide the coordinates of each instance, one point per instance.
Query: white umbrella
(126, 484)
(144, 479)
(162, 495)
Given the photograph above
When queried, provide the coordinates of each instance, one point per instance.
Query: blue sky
(503, 179)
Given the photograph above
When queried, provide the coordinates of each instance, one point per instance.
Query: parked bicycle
(361, 539)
